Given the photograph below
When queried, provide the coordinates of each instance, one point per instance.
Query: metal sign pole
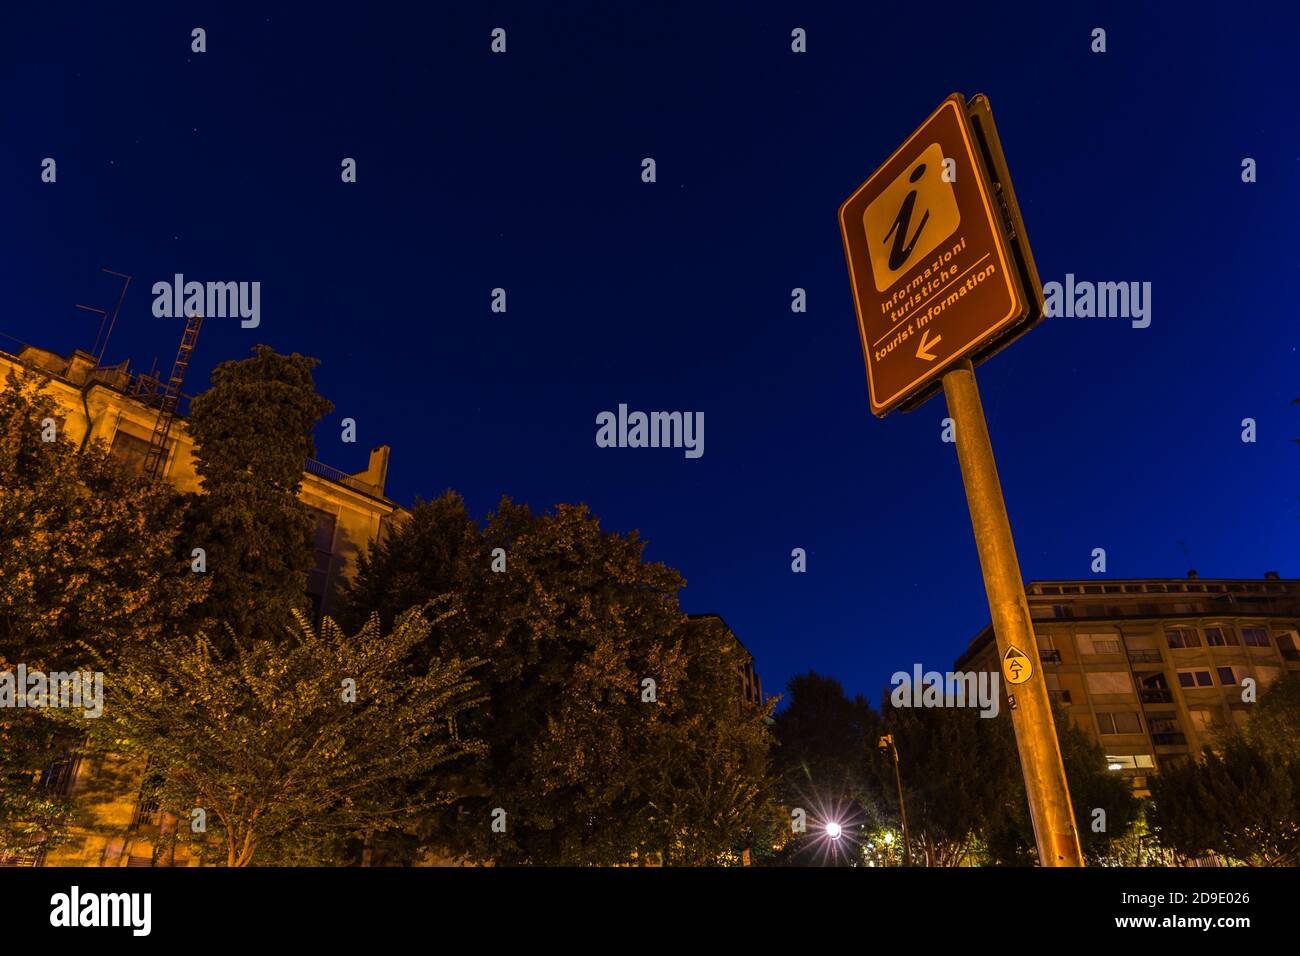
(1031, 713)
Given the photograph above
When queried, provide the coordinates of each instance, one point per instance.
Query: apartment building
(1153, 668)
(112, 827)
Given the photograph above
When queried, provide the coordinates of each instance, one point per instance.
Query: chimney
(1272, 576)
(1191, 575)
(80, 365)
(377, 470)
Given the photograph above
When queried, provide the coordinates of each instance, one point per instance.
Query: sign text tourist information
(937, 258)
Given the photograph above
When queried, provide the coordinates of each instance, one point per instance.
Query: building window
(1181, 637)
(323, 542)
(1227, 677)
(1123, 722)
(1062, 610)
(1220, 637)
(1195, 679)
(1109, 682)
(1255, 636)
(131, 451)
(1098, 644)
(1129, 761)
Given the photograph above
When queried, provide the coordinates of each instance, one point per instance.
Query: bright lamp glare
(833, 830)
(889, 838)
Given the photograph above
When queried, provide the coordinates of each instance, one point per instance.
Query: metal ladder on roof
(168, 395)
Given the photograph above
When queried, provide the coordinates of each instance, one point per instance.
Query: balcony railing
(322, 470)
(22, 858)
(1060, 696)
(1169, 739)
(1049, 655)
(1157, 695)
(1290, 654)
(1144, 657)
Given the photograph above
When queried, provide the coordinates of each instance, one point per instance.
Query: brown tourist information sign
(937, 258)
(942, 278)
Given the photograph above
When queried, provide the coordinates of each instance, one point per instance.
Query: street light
(833, 830)
(886, 745)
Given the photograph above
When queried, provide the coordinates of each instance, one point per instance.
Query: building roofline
(982, 637)
(91, 384)
(713, 614)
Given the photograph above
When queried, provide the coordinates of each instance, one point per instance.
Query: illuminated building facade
(1152, 668)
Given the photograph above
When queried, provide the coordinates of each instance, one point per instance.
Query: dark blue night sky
(522, 171)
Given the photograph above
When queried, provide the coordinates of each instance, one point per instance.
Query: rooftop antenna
(102, 336)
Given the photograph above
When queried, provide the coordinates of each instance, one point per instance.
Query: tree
(1242, 800)
(91, 552)
(704, 776)
(1273, 726)
(959, 777)
(90, 563)
(290, 746)
(581, 765)
(425, 556)
(252, 432)
(572, 627)
(825, 739)
(31, 815)
(825, 761)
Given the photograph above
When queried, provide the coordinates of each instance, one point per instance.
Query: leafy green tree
(1242, 799)
(1180, 809)
(704, 775)
(31, 814)
(825, 741)
(291, 746)
(959, 776)
(825, 765)
(91, 552)
(424, 556)
(252, 432)
(572, 627)
(1273, 724)
(90, 562)
(1239, 802)
(584, 768)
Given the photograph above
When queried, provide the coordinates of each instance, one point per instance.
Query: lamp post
(886, 745)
